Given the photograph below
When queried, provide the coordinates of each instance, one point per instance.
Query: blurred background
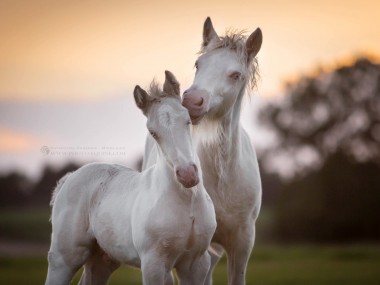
(67, 71)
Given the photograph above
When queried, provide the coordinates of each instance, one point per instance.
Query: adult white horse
(225, 67)
(162, 218)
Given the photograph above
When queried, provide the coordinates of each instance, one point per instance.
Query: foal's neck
(165, 173)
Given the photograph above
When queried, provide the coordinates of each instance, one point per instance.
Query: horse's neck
(164, 175)
(222, 135)
(162, 170)
(219, 145)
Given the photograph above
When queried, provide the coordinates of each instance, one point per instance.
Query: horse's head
(169, 125)
(224, 67)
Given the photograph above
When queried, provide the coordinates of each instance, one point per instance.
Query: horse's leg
(98, 269)
(238, 252)
(154, 270)
(194, 272)
(216, 254)
(63, 264)
(71, 244)
(58, 272)
(169, 278)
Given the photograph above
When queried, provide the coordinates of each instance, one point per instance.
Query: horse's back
(85, 181)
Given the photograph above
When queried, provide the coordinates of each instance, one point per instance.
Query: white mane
(212, 135)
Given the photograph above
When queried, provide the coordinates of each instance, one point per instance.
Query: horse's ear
(208, 32)
(171, 85)
(142, 99)
(253, 43)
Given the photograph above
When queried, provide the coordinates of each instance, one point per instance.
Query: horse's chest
(232, 198)
(235, 204)
(183, 230)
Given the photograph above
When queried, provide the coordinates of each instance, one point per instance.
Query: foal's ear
(142, 99)
(253, 43)
(171, 85)
(208, 32)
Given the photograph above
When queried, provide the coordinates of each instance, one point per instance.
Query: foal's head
(169, 125)
(224, 67)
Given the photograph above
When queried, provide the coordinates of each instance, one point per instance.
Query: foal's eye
(153, 134)
(196, 64)
(188, 122)
(235, 75)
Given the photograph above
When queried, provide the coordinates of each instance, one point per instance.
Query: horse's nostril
(188, 175)
(200, 103)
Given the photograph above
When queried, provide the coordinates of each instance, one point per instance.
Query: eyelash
(235, 75)
(153, 134)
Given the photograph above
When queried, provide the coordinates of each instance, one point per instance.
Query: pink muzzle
(195, 101)
(187, 175)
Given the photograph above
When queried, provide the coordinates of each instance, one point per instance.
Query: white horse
(225, 67)
(105, 215)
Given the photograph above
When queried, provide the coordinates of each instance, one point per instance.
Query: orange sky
(90, 49)
(11, 141)
(91, 54)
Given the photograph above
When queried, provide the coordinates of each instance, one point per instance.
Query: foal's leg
(238, 253)
(169, 278)
(63, 264)
(216, 254)
(70, 245)
(154, 270)
(98, 269)
(194, 272)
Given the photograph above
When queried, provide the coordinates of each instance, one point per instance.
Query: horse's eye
(196, 64)
(235, 75)
(188, 122)
(153, 134)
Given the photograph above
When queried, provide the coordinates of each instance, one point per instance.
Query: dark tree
(327, 131)
(13, 190)
(340, 202)
(42, 190)
(272, 185)
(336, 111)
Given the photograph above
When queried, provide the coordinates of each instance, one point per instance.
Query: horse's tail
(214, 251)
(58, 187)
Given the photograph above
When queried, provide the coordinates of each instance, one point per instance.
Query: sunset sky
(68, 68)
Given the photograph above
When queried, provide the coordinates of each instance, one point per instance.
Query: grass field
(270, 264)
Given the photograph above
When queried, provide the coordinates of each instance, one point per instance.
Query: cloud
(16, 142)
(110, 123)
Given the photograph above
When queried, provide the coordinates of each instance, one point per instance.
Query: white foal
(105, 215)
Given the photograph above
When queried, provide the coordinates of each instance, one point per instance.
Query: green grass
(25, 224)
(270, 265)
